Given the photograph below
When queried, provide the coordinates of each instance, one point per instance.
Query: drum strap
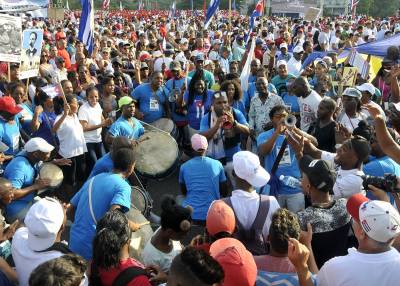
(127, 275)
(90, 201)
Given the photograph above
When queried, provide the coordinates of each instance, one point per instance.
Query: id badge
(154, 105)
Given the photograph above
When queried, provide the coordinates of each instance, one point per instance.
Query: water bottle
(290, 181)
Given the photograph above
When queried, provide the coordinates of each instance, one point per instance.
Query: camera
(388, 183)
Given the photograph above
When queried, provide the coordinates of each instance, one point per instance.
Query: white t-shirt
(294, 66)
(246, 204)
(159, 62)
(351, 123)
(348, 182)
(26, 260)
(152, 255)
(93, 116)
(70, 135)
(360, 269)
(308, 109)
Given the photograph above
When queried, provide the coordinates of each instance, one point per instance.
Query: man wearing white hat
(294, 64)
(284, 55)
(249, 207)
(22, 171)
(39, 240)
(368, 91)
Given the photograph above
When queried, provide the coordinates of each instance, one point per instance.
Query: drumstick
(153, 126)
(143, 223)
(143, 139)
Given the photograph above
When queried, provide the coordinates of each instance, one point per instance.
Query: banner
(378, 48)
(32, 40)
(10, 38)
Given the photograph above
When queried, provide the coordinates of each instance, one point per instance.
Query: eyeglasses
(280, 115)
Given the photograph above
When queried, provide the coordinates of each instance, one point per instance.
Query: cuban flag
(353, 4)
(212, 9)
(86, 25)
(258, 11)
(106, 4)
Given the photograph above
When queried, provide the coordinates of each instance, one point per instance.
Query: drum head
(157, 155)
(53, 173)
(164, 124)
(138, 238)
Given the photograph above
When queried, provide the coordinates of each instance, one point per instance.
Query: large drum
(141, 201)
(141, 237)
(53, 173)
(166, 125)
(157, 155)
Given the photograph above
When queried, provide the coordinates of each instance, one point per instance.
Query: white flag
(244, 76)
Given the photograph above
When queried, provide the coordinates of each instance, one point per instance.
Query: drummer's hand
(134, 226)
(156, 275)
(62, 162)
(42, 183)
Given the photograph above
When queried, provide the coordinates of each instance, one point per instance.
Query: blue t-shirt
(239, 117)
(280, 83)
(27, 115)
(108, 189)
(171, 85)
(239, 105)
(198, 108)
(9, 135)
(251, 91)
(21, 174)
(379, 167)
(266, 278)
(288, 165)
(46, 120)
(122, 127)
(150, 102)
(291, 101)
(201, 176)
(103, 165)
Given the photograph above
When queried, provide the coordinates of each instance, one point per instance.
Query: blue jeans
(95, 152)
(292, 202)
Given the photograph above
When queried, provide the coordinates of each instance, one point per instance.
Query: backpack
(253, 238)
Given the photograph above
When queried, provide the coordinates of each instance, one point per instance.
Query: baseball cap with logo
(43, 221)
(220, 218)
(247, 167)
(379, 220)
(238, 263)
(7, 103)
(318, 173)
(199, 142)
(38, 144)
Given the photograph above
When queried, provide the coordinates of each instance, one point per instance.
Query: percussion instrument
(166, 125)
(141, 201)
(53, 173)
(140, 237)
(157, 156)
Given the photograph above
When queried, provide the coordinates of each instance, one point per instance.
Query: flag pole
(230, 14)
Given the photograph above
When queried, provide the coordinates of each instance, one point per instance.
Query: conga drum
(157, 155)
(53, 173)
(166, 125)
(140, 237)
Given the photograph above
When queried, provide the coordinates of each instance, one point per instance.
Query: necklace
(323, 205)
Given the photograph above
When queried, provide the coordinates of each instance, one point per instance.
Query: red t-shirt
(64, 54)
(108, 276)
(60, 35)
(258, 53)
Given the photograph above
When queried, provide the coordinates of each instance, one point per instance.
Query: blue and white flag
(212, 9)
(172, 10)
(257, 12)
(86, 26)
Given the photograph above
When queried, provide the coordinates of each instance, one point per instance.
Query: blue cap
(259, 42)
(199, 57)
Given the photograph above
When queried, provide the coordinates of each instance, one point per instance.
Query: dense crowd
(287, 174)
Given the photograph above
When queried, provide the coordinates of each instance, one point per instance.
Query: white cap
(38, 144)
(181, 58)
(184, 41)
(298, 49)
(247, 167)
(283, 45)
(157, 54)
(280, 63)
(43, 221)
(367, 87)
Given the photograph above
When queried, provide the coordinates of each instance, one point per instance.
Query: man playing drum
(126, 125)
(22, 171)
(104, 192)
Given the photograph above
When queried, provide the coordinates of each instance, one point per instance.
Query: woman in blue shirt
(197, 100)
(17, 91)
(234, 94)
(9, 126)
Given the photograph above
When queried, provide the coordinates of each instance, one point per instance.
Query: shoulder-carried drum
(141, 201)
(166, 125)
(53, 173)
(140, 237)
(157, 155)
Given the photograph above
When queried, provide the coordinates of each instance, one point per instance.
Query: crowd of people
(287, 174)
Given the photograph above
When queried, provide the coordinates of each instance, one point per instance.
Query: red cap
(353, 205)
(7, 103)
(238, 263)
(144, 57)
(220, 218)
